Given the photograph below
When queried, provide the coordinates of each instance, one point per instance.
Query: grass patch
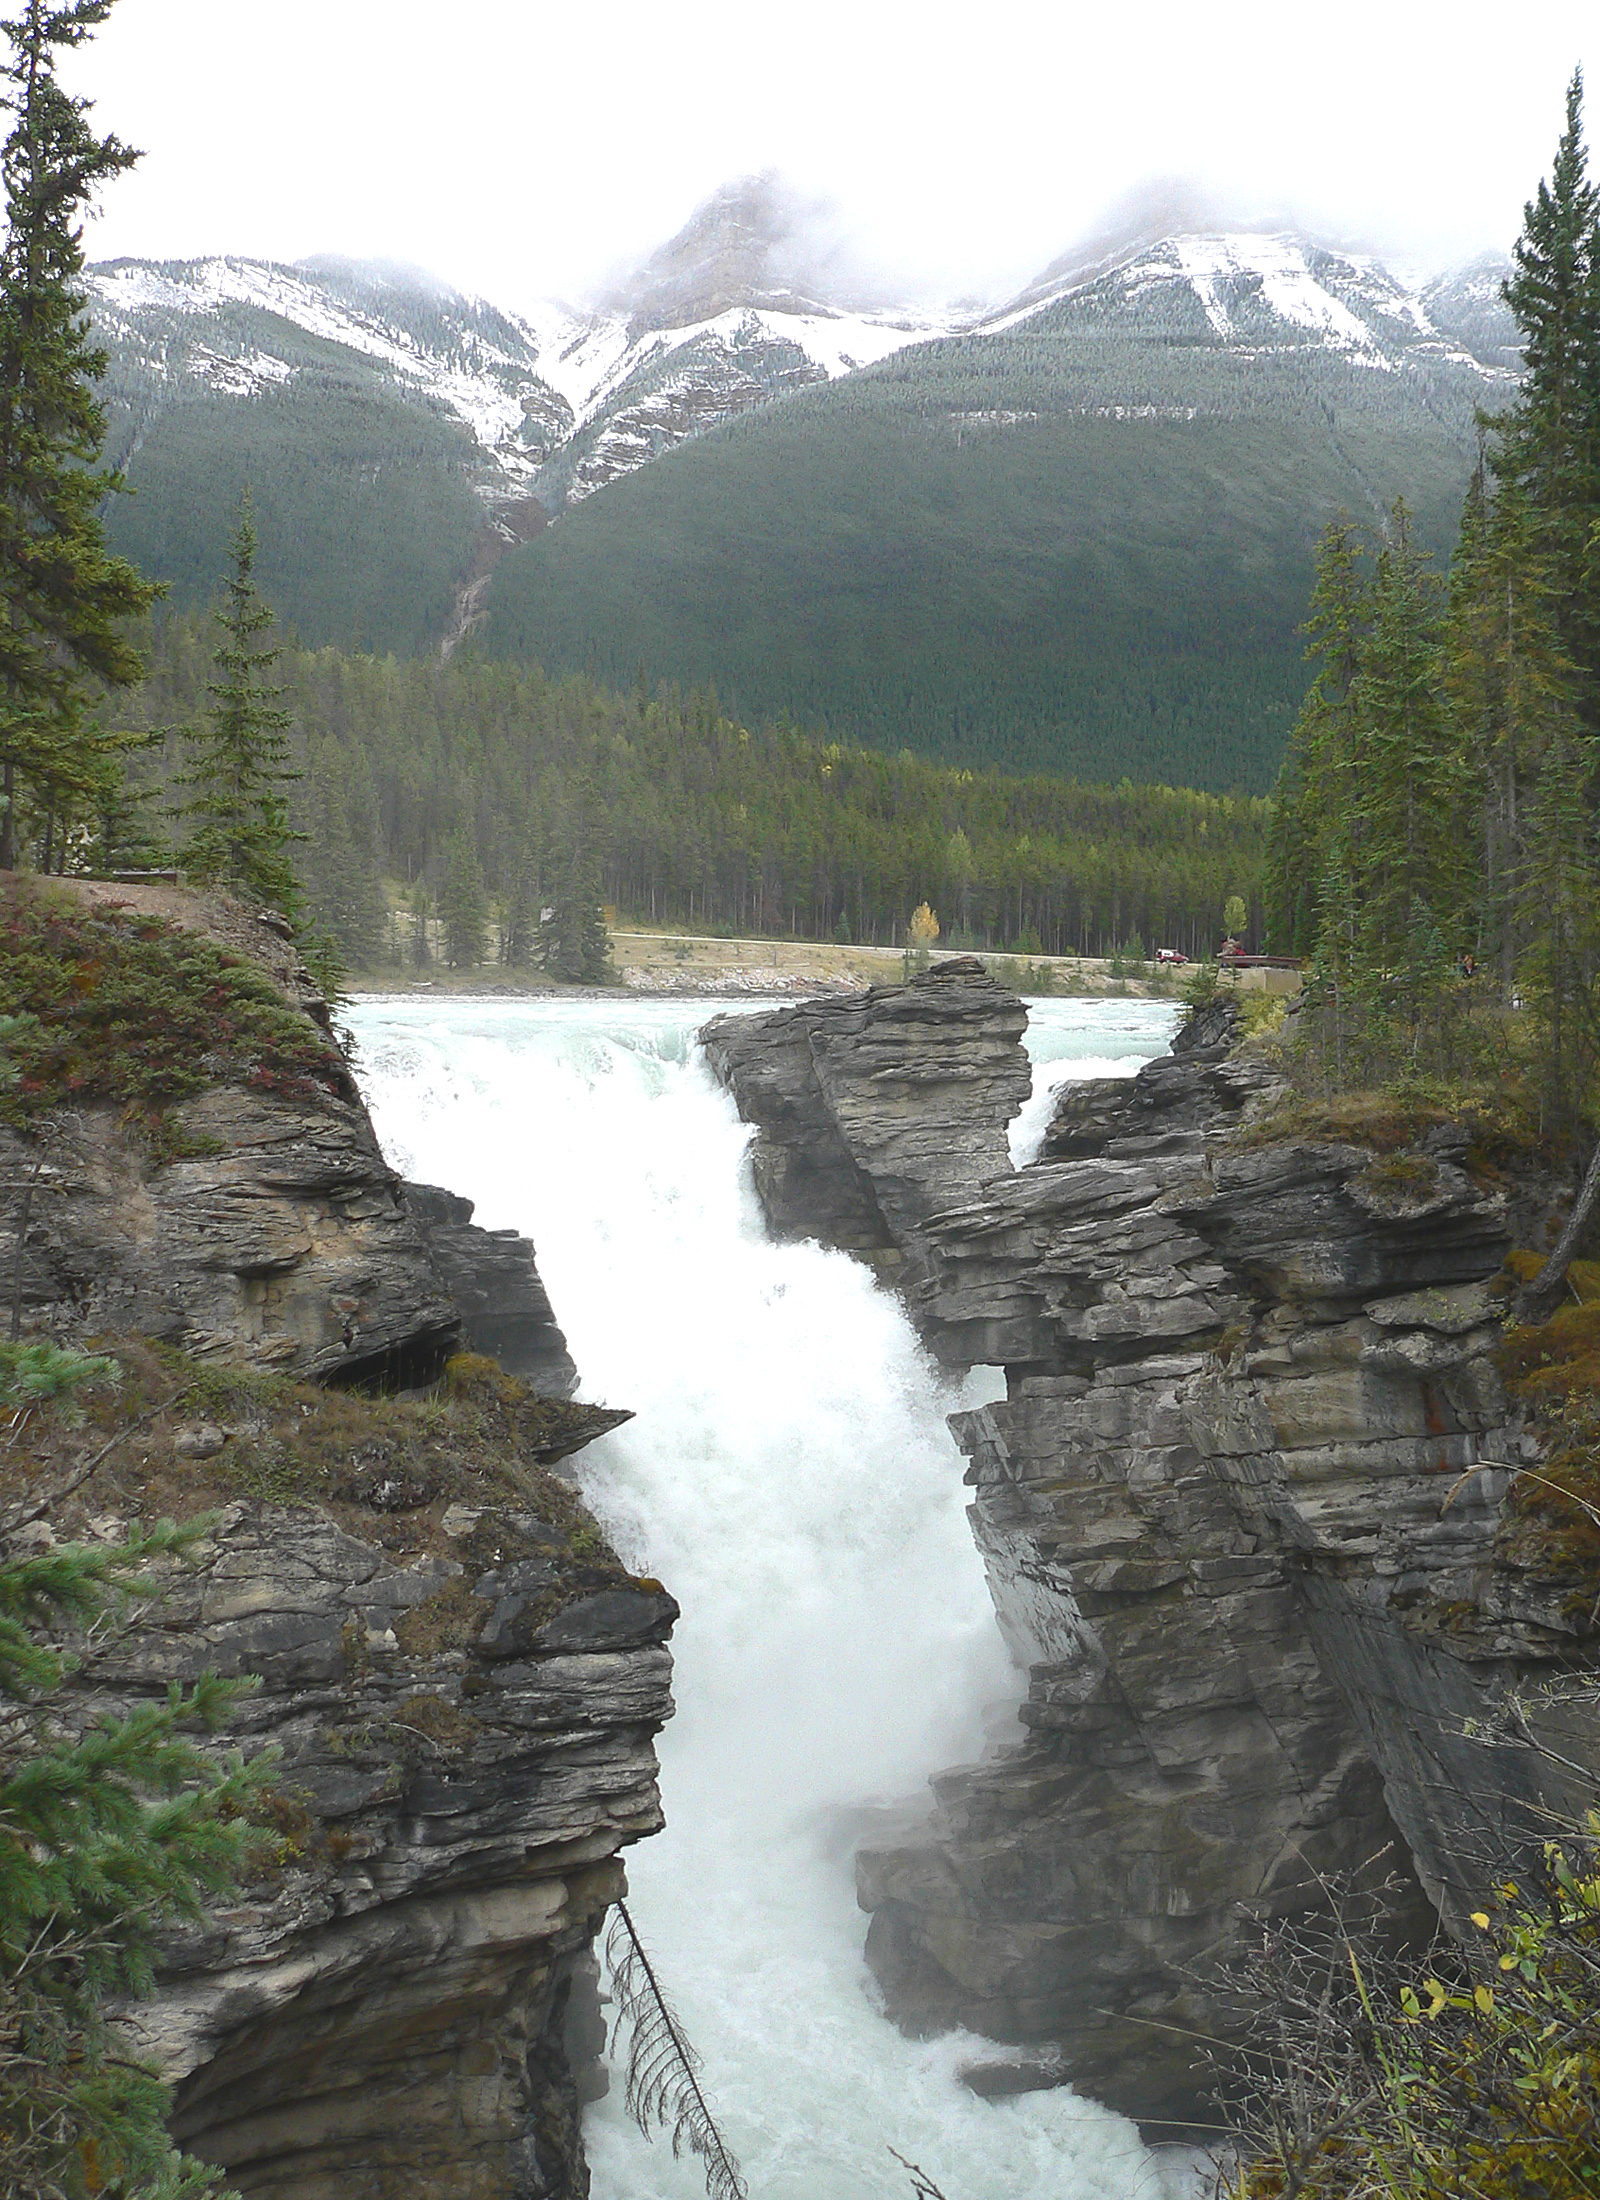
(107, 1005)
(387, 1467)
(1552, 1519)
(1502, 1130)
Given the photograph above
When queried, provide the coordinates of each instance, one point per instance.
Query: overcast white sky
(527, 152)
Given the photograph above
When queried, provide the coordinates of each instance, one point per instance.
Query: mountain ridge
(409, 446)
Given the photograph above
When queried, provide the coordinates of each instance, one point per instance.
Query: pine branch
(662, 2084)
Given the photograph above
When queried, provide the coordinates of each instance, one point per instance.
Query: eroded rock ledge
(1242, 1511)
(463, 1681)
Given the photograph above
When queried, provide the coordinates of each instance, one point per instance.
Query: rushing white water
(1069, 1040)
(791, 1478)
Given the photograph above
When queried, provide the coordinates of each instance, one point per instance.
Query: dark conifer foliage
(239, 767)
(1436, 844)
(65, 600)
(1548, 445)
(688, 818)
(108, 1834)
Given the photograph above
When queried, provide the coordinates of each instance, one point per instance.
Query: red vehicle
(1171, 955)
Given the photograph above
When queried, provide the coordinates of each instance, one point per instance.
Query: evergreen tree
(421, 908)
(519, 930)
(573, 942)
(1412, 812)
(64, 600)
(107, 1834)
(124, 831)
(239, 769)
(463, 910)
(1313, 779)
(1549, 443)
(344, 895)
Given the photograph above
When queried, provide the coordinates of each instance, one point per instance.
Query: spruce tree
(239, 769)
(573, 942)
(344, 893)
(463, 909)
(1549, 443)
(1313, 796)
(64, 600)
(108, 1833)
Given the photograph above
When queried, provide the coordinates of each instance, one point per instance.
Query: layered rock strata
(465, 1729)
(282, 1243)
(1242, 1512)
(873, 1110)
(462, 1681)
(493, 1278)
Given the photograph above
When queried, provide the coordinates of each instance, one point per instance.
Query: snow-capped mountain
(558, 402)
(1262, 291)
(402, 436)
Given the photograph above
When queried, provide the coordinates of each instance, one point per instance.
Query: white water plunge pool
(791, 1479)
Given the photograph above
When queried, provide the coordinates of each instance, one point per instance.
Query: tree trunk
(1536, 1301)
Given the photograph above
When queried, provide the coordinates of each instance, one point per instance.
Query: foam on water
(791, 1478)
(1070, 1040)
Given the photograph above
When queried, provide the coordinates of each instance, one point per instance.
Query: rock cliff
(875, 1109)
(461, 1679)
(493, 1279)
(1244, 1515)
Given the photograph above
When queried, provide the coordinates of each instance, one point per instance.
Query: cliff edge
(460, 1678)
(1248, 1512)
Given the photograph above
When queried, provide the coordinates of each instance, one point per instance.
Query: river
(790, 1477)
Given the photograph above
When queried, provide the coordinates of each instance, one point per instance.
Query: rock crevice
(1242, 1511)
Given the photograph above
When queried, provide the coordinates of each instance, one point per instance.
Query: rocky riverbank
(1247, 1511)
(461, 1679)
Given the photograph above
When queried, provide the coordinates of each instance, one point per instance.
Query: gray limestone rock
(874, 1110)
(1243, 1516)
(388, 2011)
(282, 1242)
(494, 1280)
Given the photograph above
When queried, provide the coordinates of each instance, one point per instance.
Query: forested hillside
(1081, 543)
(471, 782)
(364, 495)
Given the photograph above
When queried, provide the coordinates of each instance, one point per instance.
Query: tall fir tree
(344, 894)
(463, 907)
(1313, 781)
(64, 600)
(573, 942)
(1548, 444)
(1410, 838)
(239, 770)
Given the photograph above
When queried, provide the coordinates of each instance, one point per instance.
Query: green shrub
(1477, 2079)
(127, 1008)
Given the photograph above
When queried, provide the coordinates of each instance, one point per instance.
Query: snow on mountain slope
(1254, 293)
(557, 402)
(741, 306)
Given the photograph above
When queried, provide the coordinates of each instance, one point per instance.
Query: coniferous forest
(1435, 848)
(464, 786)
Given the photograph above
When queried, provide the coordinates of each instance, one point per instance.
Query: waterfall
(791, 1479)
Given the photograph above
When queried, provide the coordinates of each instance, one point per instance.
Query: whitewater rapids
(790, 1477)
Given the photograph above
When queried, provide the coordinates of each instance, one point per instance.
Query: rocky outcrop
(257, 1220)
(493, 1278)
(465, 1728)
(461, 1680)
(1243, 1516)
(875, 1110)
(279, 1240)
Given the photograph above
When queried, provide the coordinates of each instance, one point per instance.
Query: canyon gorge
(1244, 1514)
